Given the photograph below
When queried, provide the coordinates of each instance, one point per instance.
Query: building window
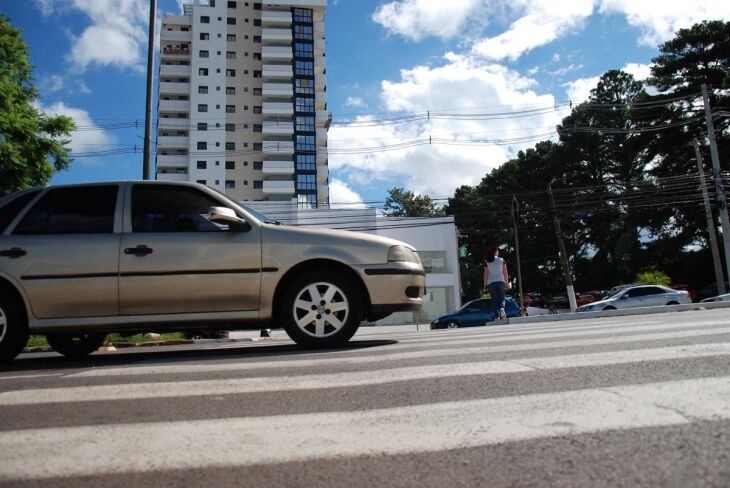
(306, 162)
(230, 54)
(258, 184)
(257, 109)
(231, 4)
(230, 165)
(204, 19)
(257, 146)
(202, 107)
(257, 92)
(230, 127)
(257, 73)
(230, 184)
(203, 71)
(306, 143)
(202, 146)
(231, 37)
(302, 15)
(257, 56)
(257, 39)
(230, 109)
(202, 165)
(434, 261)
(202, 89)
(304, 68)
(257, 127)
(304, 104)
(203, 54)
(231, 20)
(204, 36)
(305, 124)
(303, 50)
(305, 86)
(306, 182)
(258, 165)
(230, 146)
(245, 182)
(230, 90)
(230, 73)
(304, 32)
(202, 126)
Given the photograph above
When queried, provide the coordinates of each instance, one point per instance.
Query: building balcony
(275, 17)
(321, 135)
(319, 46)
(173, 123)
(175, 70)
(269, 35)
(319, 27)
(176, 36)
(277, 90)
(278, 167)
(176, 142)
(323, 172)
(169, 52)
(323, 193)
(277, 71)
(169, 19)
(277, 108)
(277, 147)
(321, 118)
(320, 82)
(319, 65)
(278, 187)
(172, 176)
(276, 53)
(320, 103)
(278, 128)
(174, 105)
(174, 88)
(321, 155)
(172, 161)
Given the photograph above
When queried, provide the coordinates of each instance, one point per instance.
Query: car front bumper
(393, 287)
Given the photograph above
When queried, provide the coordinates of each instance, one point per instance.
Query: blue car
(475, 312)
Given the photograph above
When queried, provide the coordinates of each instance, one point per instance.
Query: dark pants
(496, 292)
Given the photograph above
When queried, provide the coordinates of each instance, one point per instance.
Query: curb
(113, 346)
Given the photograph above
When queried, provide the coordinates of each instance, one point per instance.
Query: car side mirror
(223, 215)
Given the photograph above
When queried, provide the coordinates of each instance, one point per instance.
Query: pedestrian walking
(496, 280)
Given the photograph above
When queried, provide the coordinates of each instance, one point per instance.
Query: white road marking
(335, 359)
(24, 376)
(114, 449)
(347, 379)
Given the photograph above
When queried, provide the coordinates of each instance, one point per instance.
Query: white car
(639, 296)
(719, 298)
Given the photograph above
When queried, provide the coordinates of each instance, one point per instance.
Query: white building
(242, 99)
(434, 238)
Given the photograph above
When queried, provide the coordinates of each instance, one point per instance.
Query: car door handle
(140, 250)
(13, 253)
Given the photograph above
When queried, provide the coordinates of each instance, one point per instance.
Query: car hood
(599, 303)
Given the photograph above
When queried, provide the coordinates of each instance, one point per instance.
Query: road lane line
(115, 449)
(24, 376)
(348, 379)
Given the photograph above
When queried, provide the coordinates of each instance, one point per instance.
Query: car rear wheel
(76, 344)
(673, 303)
(610, 307)
(452, 325)
(322, 309)
(13, 328)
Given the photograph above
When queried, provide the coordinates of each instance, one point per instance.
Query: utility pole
(719, 187)
(710, 223)
(515, 213)
(563, 254)
(148, 107)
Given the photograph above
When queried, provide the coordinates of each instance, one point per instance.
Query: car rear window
(72, 210)
(14, 207)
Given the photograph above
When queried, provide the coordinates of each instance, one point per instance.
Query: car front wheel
(76, 345)
(452, 325)
(322, 309)
(13, 328)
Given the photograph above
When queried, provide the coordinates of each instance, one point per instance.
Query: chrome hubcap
(451, 325)
(3, 325)
(321, 309)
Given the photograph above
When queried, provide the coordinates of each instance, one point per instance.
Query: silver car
(80, 261)
(639, 296)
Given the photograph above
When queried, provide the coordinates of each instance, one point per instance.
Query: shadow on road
(177, 354)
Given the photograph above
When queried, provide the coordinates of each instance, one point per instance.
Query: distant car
(559, 301)
(692, 293)
(598, 294)
(584, 299)
(475, 312)
(710, 291)
(719, 298)
(535, 300)
(639, 296)
(618, 288)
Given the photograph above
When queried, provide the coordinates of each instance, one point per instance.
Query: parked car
(559, 301)
(475, 312)
(584, 299)
(719, 298)
(639, 296)
(692, 293)
(710, 290)
(618, 288)
(80, 261)
(597, 294)
(534, 299)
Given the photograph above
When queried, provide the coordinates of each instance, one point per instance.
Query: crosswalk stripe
(56, 452)
(347, 379)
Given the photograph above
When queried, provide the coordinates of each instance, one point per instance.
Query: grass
(40, 340)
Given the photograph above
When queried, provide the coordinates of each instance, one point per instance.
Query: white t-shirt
(495, 270)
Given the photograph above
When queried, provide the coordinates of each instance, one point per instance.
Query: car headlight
(586, 308)
(402, 254)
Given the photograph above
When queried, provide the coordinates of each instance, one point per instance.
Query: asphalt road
(626, 401)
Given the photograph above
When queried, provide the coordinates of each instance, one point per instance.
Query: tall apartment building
(242, 99)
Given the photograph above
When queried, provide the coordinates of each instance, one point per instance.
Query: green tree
(30, 146)
(402, 203)
(653, 277)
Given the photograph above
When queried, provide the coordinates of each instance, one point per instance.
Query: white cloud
(638, 70)
(115, 36)
(355, 102)
(659, 20)
(51, 84)
(341, 194)
(91, 138)
(416, 19)
(579, 90)
(459, 86)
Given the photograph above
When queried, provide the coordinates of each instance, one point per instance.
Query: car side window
(168, 208)
(11, 210)
(636, 292)
(72, 210)
(654, 291)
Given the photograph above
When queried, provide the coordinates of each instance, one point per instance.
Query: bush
(653, 277)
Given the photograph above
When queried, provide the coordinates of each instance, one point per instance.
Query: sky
(427, 95)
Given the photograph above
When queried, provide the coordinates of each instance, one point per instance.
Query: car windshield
(617, 294)
(468, 305)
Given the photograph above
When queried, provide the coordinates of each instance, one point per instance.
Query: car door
(654, 297)
(64, 250)
(174, 260)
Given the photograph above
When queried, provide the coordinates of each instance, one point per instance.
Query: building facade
(242, 99)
